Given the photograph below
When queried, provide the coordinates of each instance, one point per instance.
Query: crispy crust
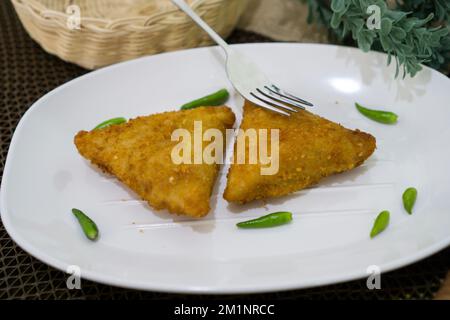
(138, 153)
(311, 148)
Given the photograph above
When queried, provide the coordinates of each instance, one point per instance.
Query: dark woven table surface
(26, 74)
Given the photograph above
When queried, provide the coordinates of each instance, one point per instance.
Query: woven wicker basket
(111, 31)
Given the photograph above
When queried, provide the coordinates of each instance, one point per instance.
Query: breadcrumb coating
(138, 153)
(310, 148)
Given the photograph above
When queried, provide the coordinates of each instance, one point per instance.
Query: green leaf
(386, 43)
(344, 30)
(338, 5)
(397, 67)
(386, 26)
(426, 20)
(398, 33)
(396, 15)
(365, 40)
(335, 20)
(357, 24)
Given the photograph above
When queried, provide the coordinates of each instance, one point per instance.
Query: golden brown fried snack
(138, 153)
(310, 148)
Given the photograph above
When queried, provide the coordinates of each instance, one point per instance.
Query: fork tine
(272, 105)
(288, 102)
(273, 88)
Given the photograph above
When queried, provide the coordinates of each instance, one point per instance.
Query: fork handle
(202, 24)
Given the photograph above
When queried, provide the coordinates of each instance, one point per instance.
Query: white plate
(328, 240)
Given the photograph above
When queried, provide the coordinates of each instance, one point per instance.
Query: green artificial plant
(410, 31)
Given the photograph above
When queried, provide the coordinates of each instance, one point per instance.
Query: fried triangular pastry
(139, 154)
(310, 148)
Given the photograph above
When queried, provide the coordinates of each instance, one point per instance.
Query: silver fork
(246, 77)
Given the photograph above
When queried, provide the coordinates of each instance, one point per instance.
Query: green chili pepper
(381, 223)
(89, 227)
(216, 99)
(385, 117)
(110, 122)
(409, 199)
(267, 221)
